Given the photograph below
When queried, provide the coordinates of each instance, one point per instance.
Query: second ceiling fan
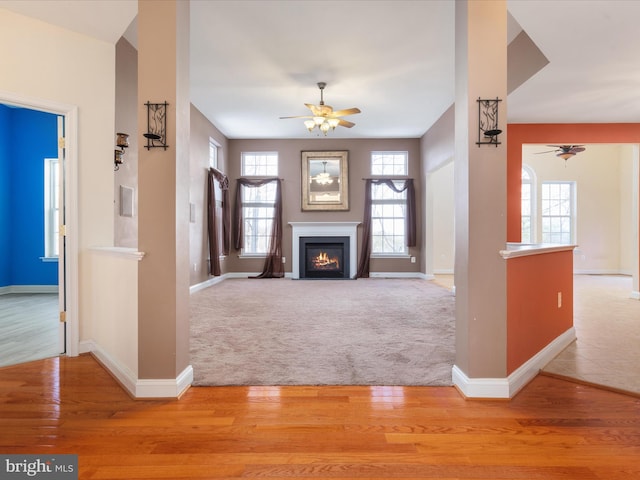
(565, 151)
(324, 117)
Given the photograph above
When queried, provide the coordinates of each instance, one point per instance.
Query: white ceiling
(254, 61)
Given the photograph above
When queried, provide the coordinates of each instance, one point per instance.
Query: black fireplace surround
(324, 258)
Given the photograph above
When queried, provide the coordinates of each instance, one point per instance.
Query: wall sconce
(488, 130)
(156, 125)
(122, 141)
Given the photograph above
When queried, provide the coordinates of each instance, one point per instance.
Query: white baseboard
(508, 387)
(28, 289)
(577, 271)
(207, 283)
(397, 275)
(635, 295)
(443, 271)
(141, 388)
(213, 281)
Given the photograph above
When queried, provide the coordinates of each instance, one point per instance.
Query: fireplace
(324, 232)
(324, 257)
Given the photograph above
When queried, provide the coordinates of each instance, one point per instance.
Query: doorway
(51, 299)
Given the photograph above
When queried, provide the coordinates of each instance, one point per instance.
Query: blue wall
(30, 137)
(5, 266)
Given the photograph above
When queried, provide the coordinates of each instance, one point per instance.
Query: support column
(163, 199)
(481, 201)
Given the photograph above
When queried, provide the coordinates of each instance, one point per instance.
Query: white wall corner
(510, 386)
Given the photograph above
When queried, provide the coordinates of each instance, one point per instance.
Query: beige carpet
(607, 323)
(323, 332)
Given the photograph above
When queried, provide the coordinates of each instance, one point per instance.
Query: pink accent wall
(533, 317)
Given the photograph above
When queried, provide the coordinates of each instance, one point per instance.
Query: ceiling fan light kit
(323, 118)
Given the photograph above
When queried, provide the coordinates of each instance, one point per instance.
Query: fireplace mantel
(324, 229)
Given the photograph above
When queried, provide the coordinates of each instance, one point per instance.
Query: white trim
(165, 388)
(142, 388)
(528, 370)
(28, 289)
(400, 275)
(508, 387)
(324, 229)
(207, 283)
(515, 250)
(49, 259)
(123, 252)
(635, 295)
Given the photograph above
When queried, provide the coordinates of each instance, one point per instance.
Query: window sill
(49, 259)
(252, 255)
(390, 255)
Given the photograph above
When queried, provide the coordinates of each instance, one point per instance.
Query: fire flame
(324, 261)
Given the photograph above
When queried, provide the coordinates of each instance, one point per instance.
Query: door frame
(71, 279)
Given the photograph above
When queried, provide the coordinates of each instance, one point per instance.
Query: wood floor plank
(552, 430)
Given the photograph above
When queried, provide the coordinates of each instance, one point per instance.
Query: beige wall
(126, 228)
(289, 154)
(44, 62)
(201, 131)
(443, 235)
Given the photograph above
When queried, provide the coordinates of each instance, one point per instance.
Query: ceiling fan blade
(578, 149)
(315, 110)
(548, 151)
(346, 111)
(346, 123)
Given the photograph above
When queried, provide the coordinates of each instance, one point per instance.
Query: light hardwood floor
(29, 325)
(552, 430)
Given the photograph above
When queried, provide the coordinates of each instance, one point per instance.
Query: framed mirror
(325, 181)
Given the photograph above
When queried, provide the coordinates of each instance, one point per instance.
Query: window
(388, 208)
(527, 205)
(558, 207)
(258, 202)
(51, 207)
(213, 153)
(259, 164)
(389, 163)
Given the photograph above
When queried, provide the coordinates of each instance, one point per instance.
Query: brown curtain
(273, 267)
(410, 224)
(212, 223)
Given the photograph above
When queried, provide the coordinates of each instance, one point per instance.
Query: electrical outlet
(284, 259)
(559, 299)
(413, 259)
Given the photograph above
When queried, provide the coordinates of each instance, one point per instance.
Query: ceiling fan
(565, 151)
(324, 117)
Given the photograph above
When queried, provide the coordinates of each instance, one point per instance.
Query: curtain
(410, 224)
(212, 223)
(273, 267)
